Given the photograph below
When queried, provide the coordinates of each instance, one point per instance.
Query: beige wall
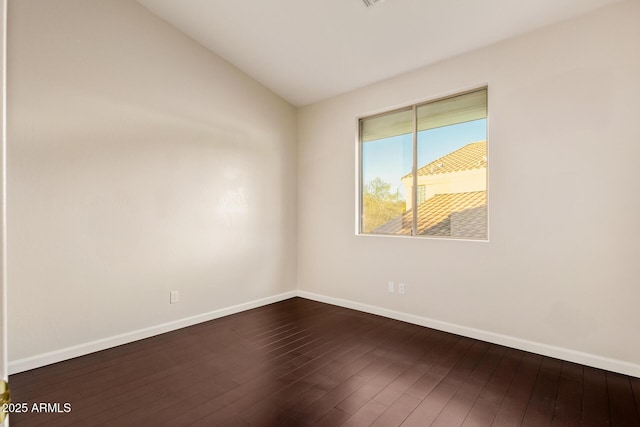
(561, 269)
(139, 163)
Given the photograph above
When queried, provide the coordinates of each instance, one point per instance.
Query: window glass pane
(387, 157)
(452, 167)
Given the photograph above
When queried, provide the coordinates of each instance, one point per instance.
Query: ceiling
(307, 51)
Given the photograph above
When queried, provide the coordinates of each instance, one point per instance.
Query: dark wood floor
(300, 363)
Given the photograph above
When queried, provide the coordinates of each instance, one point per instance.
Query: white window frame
(414, 191)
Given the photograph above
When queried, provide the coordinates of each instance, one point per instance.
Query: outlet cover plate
(174, 297)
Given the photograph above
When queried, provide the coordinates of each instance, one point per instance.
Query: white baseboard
(40, 360)
(508, 341)
(596, 361)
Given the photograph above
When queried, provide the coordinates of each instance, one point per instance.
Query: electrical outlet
(391, 287)
(401, 288)
(174, 297)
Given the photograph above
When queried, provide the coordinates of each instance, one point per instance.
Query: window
(432, 156)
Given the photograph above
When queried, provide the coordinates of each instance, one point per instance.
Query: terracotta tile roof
(462, 215)
(471, 156)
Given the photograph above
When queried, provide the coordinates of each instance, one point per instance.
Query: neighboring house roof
(462, 215)
(453, 214)
(471, 156)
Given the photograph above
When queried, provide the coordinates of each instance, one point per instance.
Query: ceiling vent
(369, 3)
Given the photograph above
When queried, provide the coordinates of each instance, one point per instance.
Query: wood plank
(488, 403)
(515, 402)
(543, 399)
(568, 406)
(595, 399)
(398, 411)
(621, 401)
(456, 411)
(334, 417)
(441, 343)
(443, 391)
(366, 415)
(366, 393)
(635, 386)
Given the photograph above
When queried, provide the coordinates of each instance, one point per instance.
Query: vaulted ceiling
(307, 51)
